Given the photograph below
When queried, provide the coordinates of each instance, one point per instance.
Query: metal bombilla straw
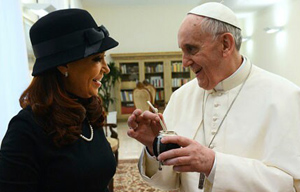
(155, 110)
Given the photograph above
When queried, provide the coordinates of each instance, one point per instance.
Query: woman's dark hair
(60, 114)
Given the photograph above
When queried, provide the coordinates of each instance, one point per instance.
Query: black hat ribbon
(90, 37)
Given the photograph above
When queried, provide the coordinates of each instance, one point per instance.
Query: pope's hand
(144, 127)
(192, 157)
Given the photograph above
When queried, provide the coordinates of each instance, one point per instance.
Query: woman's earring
(66, 74)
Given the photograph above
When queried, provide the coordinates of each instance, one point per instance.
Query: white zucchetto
(216, 11)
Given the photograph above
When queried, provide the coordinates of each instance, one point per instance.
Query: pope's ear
(63, 69)
(228, 43)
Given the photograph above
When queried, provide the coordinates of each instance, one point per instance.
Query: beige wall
(141, 28)
(154, 29)
(276, 52)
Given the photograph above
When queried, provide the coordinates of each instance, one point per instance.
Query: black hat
(64, 36)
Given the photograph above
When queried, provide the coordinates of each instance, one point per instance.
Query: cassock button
(215, 118)
(216, 104)
(213, 132)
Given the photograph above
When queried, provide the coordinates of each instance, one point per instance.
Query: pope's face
(84, 75)
(201, 52)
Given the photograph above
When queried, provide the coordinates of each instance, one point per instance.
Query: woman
(56, 142)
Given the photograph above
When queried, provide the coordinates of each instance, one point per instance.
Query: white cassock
(258, 145)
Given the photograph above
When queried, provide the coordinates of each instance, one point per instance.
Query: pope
(238, 125)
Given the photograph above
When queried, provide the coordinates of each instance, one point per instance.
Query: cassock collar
(235, 79)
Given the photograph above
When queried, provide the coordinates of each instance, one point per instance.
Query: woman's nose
(105, 68)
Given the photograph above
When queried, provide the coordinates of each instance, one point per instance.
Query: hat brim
(44, 64)
(108, 43)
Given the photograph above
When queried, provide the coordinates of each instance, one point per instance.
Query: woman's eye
(98, 59)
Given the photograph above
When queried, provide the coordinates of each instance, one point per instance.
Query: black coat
(30, 162)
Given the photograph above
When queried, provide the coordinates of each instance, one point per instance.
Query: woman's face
(84, 75)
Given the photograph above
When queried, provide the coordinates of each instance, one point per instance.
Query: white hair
(215, 27)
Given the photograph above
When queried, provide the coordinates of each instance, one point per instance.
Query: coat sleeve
(18, 165)
(165, 179)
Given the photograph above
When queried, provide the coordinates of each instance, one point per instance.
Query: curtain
(14, 70)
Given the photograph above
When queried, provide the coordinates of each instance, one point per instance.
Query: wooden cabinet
(129, 76)
(154, 74)
(162, 69)
(180, 74)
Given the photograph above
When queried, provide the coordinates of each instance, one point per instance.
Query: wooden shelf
(156, 65)
(181, 72)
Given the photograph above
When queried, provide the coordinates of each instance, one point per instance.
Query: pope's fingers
(182, 160)
(183, 168)
(137, 112)
(132, 121)
(182, 141)
(130, 133)
(173, 153)
(150, 116)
